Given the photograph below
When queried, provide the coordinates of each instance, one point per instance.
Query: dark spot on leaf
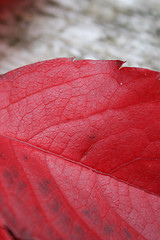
(127, 234)
(0, 155)
(7, 174)
(92, 136)
(10, 176)
(78, 229)
(37, 213)
(64, 221)
(108, 229)
(87, 212)
(54, 206)
(25, 157)
(21, 186)
(93, 215)
(44, 186)
(78, 233)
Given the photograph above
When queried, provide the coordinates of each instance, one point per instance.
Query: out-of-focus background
(36, 30)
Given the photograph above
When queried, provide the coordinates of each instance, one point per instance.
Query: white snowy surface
(96, 29)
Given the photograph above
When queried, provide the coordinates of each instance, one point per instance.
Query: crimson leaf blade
(67, 129)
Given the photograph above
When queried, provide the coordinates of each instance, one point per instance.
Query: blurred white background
(32, 31)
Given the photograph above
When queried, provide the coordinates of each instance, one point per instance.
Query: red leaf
(80, 151)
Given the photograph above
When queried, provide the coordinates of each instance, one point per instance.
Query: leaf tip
(120, 64)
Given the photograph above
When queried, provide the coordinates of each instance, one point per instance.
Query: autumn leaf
(80, 151)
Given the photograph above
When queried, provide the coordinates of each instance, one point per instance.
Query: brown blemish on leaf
(78, 233)
(25, 157)
(108, 229)
(93, 215)
(64, 221)
(10, 176)
(44, 186)
(127, 234)
(21, 187)
(87, 213)
(92, 136)
(54, 206)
